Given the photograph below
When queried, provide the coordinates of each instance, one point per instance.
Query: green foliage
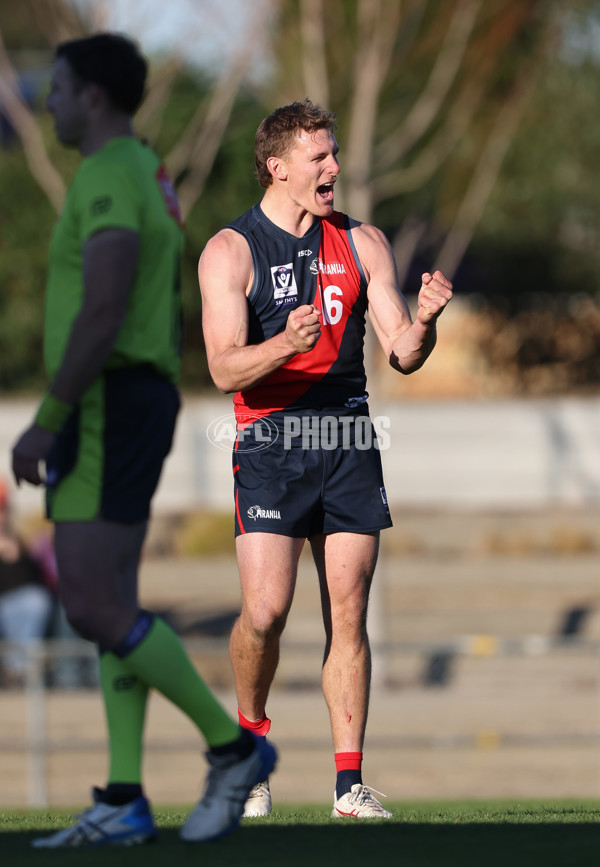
(25, 225)
(15, 25)
(26, 222)
(546, 205)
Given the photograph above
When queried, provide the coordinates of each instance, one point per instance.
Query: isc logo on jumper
(284, 282)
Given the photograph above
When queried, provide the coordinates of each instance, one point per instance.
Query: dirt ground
(486, 638)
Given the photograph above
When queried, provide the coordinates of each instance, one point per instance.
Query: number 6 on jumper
(332, 307)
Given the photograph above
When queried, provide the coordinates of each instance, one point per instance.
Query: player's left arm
(110, 260)
(407, 344)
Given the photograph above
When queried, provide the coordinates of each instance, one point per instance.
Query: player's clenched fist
(434, 294)
(303, 327)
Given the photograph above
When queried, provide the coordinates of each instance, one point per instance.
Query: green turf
(448, 834)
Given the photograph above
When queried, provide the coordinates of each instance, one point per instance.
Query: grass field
(448, 834)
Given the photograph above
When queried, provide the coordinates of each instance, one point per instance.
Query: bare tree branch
(150, 115)
(57, 20)
(443, 74)
(211, 116)
(26, 127)
(314, 53)
(378, 23)
(405, 244)
(162, 80)
(490, 162)
(99, 15)
(428, 160)
(198, 146)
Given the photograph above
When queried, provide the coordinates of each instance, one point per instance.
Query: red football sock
(348, 761)
(258, 727)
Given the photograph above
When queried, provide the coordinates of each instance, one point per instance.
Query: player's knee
(350, 616)
(266, 624)
(86, 620)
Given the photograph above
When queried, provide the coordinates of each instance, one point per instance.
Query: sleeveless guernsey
(320, 268)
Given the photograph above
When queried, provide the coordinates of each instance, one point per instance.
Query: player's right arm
(225, 274)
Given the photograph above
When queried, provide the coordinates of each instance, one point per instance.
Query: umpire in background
(104, 428)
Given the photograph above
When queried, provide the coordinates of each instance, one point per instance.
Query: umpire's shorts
(109, 455)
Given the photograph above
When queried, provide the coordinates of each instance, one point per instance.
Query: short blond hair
(275, 135)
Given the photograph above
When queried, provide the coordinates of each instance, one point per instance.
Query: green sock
(161, 662)
(125, 698)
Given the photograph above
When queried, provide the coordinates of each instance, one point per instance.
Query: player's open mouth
(326, 192)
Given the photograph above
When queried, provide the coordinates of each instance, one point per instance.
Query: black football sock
(117, 794)
(345, 780)
(242, 747)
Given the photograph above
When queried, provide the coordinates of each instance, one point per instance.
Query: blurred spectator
(25, 602)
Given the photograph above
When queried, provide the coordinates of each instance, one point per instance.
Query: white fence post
(35, 691)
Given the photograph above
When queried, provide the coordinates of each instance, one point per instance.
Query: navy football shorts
(109, 455)
(287, 489)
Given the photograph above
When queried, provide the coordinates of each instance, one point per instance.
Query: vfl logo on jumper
(255, 512)
(317, 265)
(286, 290)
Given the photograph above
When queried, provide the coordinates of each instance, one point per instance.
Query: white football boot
(359, 803)
(259, 801)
